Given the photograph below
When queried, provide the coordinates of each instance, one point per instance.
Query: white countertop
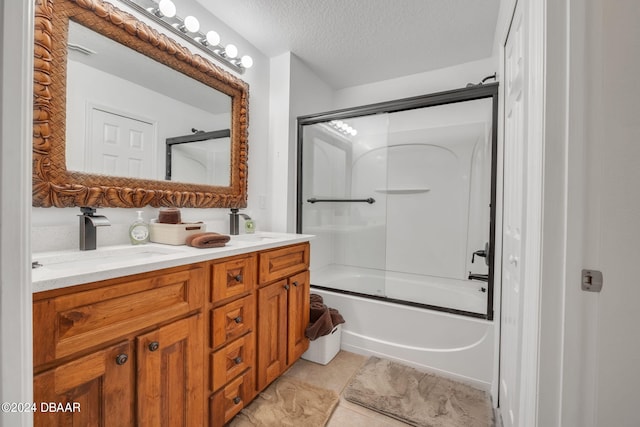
(74, 267)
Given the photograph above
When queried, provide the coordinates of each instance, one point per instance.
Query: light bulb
(191, 24)
(246, 61)
(231, 51)
(213, 38)
(167, 8)
(354, 132)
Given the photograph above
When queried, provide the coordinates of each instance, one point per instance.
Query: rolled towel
(207, 240)
(169, 216)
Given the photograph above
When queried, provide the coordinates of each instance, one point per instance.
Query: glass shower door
(340, 205)
(401, 197)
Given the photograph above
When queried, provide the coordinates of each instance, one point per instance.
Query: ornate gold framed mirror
(54, 183)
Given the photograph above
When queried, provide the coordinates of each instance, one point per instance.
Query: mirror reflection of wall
(120, 109)
(202, 157)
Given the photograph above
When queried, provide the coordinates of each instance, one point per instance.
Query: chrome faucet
(88, 223)
(234, 221)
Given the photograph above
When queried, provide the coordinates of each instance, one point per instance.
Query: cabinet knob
(286, 287)
(238, 278)
(237, 400)
(295, 283)
(121, 359)
(237, 360)
(238, 319)
(154, 346)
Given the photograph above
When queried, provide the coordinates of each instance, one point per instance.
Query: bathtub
(452, 345)
(462, 295)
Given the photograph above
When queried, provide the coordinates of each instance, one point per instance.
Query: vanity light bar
(343, 127)
(164, 13)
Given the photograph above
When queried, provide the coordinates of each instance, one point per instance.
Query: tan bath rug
(288, 402)
(418, 398)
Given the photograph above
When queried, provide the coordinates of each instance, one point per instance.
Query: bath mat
(288, 402)
(418, 398)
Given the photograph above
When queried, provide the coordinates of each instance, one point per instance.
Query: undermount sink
(100, 257)
(258, 237)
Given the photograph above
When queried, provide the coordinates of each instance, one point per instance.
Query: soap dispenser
(139, 231)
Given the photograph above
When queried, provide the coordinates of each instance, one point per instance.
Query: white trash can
(323, 349)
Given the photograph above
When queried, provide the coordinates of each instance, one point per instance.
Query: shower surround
(401, 197)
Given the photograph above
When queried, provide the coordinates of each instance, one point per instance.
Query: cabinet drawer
(231, 360)
(232, 320)
(226, 403)
(283, 262)
(232, 278)
(84, 319)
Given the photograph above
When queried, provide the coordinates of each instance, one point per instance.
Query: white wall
(611, 206)
(416, 84)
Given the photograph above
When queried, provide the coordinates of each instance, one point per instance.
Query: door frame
(535, 16)
(16, 127)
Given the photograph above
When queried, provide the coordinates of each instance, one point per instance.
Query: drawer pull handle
(238, 319)
(237, 400)
(154, 346)
(286, 287)
(295, 283)
(238, 278)
(237, 360)
(121, 359)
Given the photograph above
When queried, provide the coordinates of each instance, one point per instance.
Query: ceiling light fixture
(164, 13)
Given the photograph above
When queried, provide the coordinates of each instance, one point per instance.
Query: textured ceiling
(352, 42)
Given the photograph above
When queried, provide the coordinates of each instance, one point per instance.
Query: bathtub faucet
(234, 221)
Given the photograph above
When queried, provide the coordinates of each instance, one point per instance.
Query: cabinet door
(298, 343)
(95, 390)
(272, 332)
(170, 375)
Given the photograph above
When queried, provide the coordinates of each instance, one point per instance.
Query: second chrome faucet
(234, 221)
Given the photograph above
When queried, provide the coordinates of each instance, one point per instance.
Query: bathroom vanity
(167, 336)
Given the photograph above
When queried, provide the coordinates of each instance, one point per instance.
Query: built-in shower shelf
(402, 190)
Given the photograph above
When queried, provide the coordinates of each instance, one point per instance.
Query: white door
(120, 145)
(515, 169)
(612, 211)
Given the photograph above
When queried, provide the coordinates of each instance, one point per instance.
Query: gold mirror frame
(53, 184)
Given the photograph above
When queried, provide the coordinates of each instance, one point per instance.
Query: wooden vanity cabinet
(283, 310)
(127, 350)
(184, 346)
(232, 336)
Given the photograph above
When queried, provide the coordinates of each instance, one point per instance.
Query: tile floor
(335, 376)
